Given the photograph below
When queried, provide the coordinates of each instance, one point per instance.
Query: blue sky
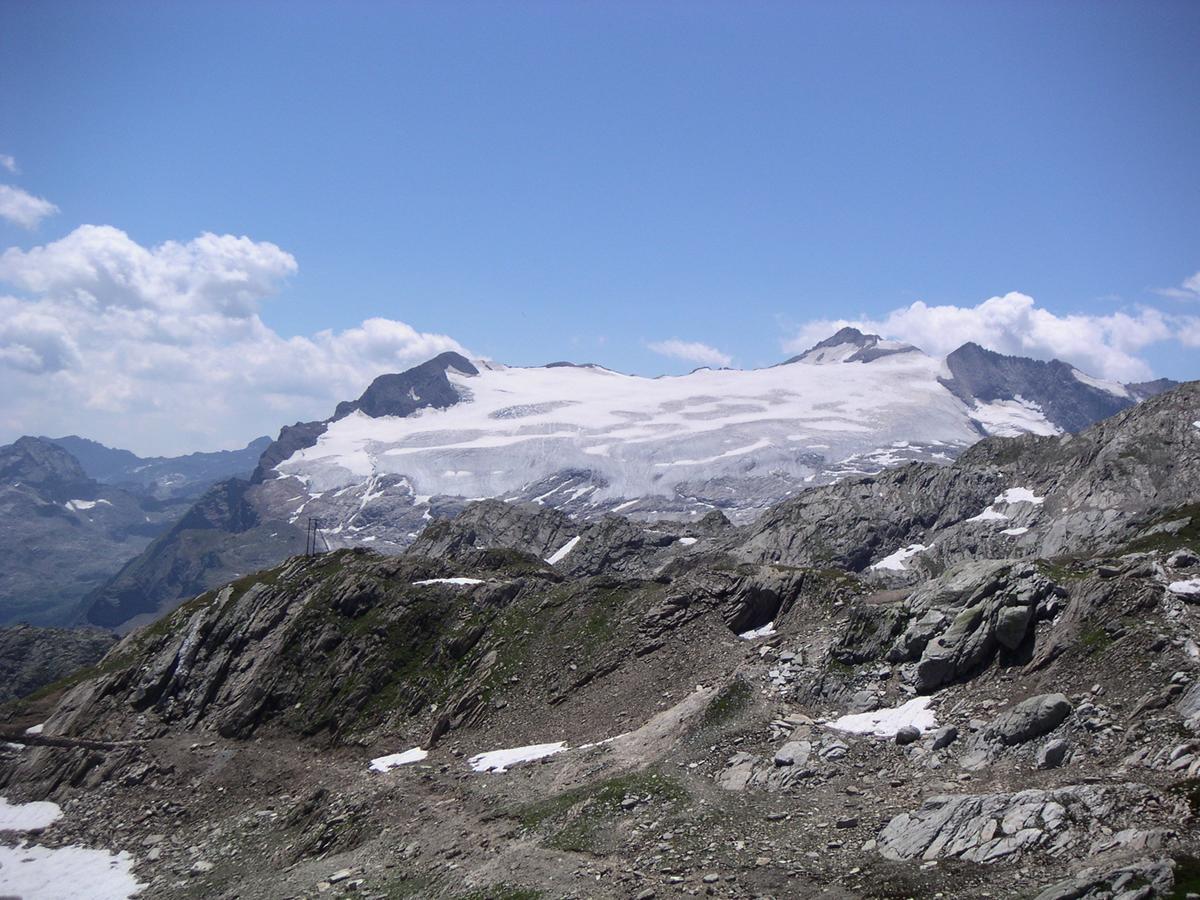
(539, 181)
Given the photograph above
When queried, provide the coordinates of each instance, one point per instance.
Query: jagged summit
(850, 345)
(402, 394)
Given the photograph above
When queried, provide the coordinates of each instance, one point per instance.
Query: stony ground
(689, 798)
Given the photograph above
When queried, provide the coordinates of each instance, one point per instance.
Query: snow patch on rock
(894, 562)
(559, 554)
(27, 816)
(394, 760)
(52, 873)
(500, 760)
(886, 722)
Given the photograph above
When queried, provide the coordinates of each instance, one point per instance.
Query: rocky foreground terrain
(975, 680)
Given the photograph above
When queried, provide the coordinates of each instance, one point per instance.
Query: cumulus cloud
(162, 349)
(7, 162)
(1105, 345)
(22, 208)
(691, 351)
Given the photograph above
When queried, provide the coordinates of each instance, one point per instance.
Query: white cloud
(1105, 345)
(7, 162)
(162, 349)
(691, 351)
(1189, 290)
(22, 208)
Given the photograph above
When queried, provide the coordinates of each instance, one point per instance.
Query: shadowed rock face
(979, 374)
(31, 658)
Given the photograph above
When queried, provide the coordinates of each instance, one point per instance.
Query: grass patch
(503, 892)
(1188, 536)
(729, 701)
(1062, 569)
(1095, 639)
(577, 819)
(1187, 877)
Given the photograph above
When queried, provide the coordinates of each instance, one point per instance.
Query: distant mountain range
(72, 511)
(586, 440)
(164, 477)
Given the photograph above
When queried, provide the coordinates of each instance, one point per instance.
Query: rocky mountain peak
(848, 344)
(42, 465)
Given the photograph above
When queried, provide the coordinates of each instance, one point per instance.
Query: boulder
(1029, 719)
(793, 753)
(1053, 754)
(908, 734)
(989, 828)
(944, 737)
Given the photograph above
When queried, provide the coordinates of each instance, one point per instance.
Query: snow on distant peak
(1011, 418)
(639, 436)
(1109, 387)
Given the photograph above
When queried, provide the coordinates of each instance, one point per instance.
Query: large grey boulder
(960, 621)
(989, 828)
(1053, 754)
(1030, 719)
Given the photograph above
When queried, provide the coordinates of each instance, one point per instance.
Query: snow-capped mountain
(590, 439)
(418, 445)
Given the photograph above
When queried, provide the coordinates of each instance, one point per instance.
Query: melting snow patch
(458, 581)
(1191, 586)
(35, 729)
(988, 515)
(886, 722)
(1018, 495)
(687, 541)
(384, 763)
(562, 551)
(500, 760)
(27, 816)
(1014, 531)
(895, 561)
(51, 873)
(765, 631)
